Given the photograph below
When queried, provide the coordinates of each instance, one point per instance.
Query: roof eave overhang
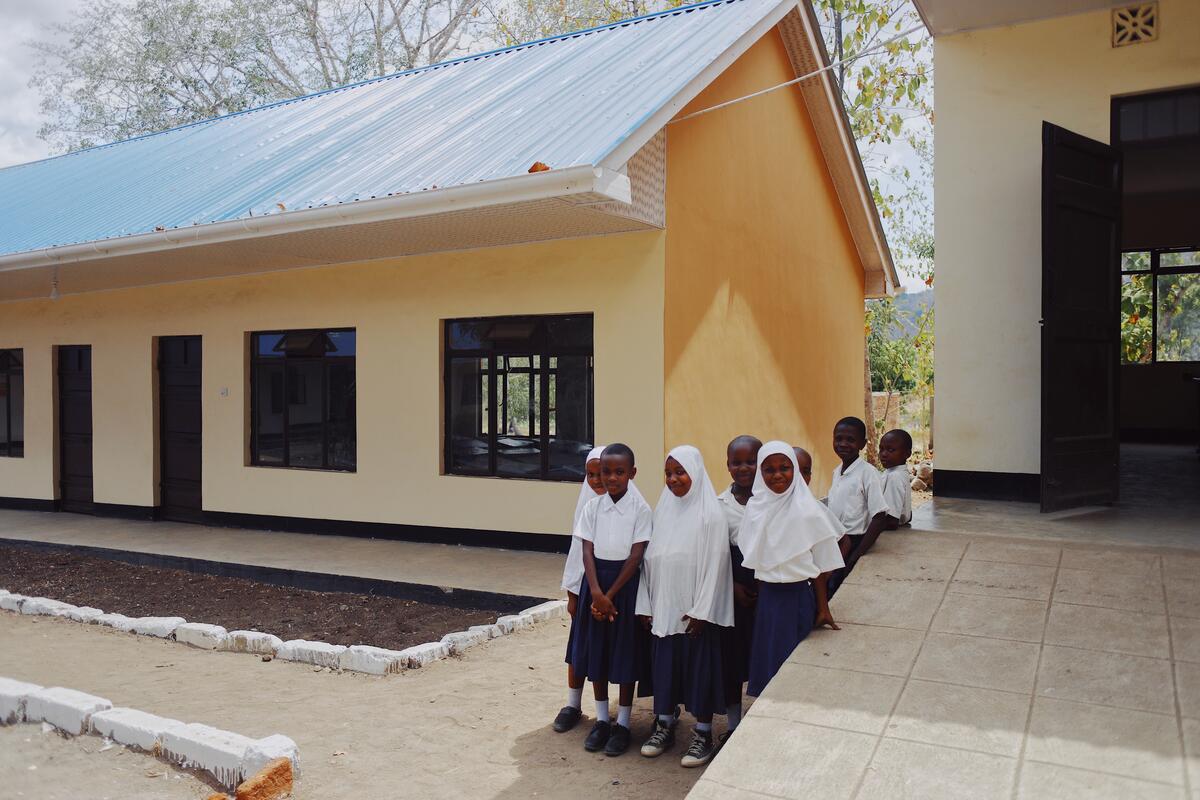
(582, 185)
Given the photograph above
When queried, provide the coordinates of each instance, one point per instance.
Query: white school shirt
(614, 528)
(897, 491)
(856, 496)
(734, 513)
(825, 556)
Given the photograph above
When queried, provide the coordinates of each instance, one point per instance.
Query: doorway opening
(1158, 135)
(180, 367)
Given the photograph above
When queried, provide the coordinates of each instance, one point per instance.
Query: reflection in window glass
(537, 373)
(303, 399)
(1136, 261)
(1179, 317)
(1137, 327)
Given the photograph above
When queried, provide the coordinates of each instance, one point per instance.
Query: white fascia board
(620, 154)
(586, 183)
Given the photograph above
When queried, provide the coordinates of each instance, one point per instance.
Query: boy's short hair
(853, 422)
(746, 439)
(619, 449)
(903, 436)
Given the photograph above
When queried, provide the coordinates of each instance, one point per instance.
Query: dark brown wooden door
(179, 371)
(1081, 235)
(75, 428)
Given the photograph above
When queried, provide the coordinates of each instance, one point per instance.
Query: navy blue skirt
(838, 576)
(736, 641)
(785, 615)
(610, 652)
(687, 672)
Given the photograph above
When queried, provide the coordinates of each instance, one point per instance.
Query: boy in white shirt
(610, 645)
(895, 448)
(855, 496)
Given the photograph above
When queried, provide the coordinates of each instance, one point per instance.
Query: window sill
(570, 481)
(282, 467)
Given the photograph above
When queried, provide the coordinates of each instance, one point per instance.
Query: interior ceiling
(951, 16)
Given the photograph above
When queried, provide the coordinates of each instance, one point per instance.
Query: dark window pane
(305, 424)
(467, 423)
(16, 399)
(469, 335)
(343, 342)
(1160, 118)
(570, 416)
(1137, 332)
(570, 332)
(1179, 317)
(4, 406)
(343, 443)
(268, 416)
(1135, 261)
(1133, 124)
(268, 345)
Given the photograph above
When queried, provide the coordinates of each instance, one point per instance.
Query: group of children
(689, 601)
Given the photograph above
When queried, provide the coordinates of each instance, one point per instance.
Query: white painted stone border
(357, 658)
(228, 757)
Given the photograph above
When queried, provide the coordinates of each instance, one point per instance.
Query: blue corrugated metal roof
(566, 101)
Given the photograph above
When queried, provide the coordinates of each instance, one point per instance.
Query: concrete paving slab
(913, 770)
(977, 661)
(970, 718)
(1052, 782)
(999, 579)
(1109, 590)
(1187, 685)
(1108, 629)
(995, 617)
(853, 701)
(1110, 679)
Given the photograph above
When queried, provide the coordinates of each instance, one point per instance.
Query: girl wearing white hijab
(789, 539)
(686, 598)
(591, 487)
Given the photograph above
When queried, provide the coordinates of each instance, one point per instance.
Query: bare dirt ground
(236, 603)
(44, 765)
(475, 727)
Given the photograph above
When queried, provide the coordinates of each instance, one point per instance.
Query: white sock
(667, 719)
(704, 727)
(602, 710)
(623, 715)
(733, 713)
(575, 697)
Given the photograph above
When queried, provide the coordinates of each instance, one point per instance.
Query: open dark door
(1081, 236)
(179, 372)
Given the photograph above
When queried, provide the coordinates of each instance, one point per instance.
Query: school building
(1068, 248)
(410, 306)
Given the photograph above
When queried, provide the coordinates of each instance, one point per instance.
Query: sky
(19, 114)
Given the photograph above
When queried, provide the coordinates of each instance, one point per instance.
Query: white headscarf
(686, 569)
(781, 530)
(573, 573)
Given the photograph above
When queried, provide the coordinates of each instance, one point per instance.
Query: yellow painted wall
(764, 323)
(993, 89)
(396, 307)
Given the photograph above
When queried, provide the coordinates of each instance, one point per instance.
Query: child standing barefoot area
(685, 599)
(708, 592)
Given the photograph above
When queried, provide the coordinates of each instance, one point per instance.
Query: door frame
(160, 437)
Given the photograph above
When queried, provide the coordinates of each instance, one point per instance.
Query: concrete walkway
(479, 568)
(986, 668)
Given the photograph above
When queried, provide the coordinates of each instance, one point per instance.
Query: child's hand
(743, 597)
(647, 620)
(572, 604)
(603, 608)
(825, 618)
(694, 626)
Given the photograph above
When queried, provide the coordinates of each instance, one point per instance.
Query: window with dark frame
(519, 396)
(1160, 305)
(12, 404)
(303, 399)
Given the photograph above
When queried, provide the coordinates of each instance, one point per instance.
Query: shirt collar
(619, 506)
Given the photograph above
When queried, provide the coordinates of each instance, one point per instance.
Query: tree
(125, 68)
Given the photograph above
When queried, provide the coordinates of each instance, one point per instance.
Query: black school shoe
(618, 741)
(598, 738)
(567, 718)
(700, 751)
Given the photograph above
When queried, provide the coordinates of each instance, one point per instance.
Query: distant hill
(912, 305)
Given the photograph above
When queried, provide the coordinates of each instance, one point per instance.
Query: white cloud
(19, 114)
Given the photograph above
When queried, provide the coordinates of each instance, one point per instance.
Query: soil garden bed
(236, 603)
